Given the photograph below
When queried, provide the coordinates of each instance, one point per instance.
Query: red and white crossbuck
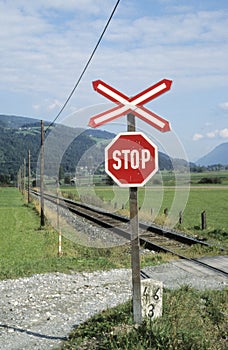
(132, 105)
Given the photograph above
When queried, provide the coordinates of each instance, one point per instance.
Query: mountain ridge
(218, 155)
(16, 122)
(67, 148)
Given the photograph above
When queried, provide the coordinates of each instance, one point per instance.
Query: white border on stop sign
(135, 133)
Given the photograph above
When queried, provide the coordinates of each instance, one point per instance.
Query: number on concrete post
(151, 292)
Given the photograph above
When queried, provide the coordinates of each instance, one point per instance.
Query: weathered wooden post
(135, 252)
(131, 159)
(166, 211)
(180, 217)
(29, 176)
(58, 222)
(42, 220)
(203, 220)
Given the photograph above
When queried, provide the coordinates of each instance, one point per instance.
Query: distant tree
(198, 168)
(210, 180)
(67, 179)
(109, 181)
(61, 172)
(4, 179)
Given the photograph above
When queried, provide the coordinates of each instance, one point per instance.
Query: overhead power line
(86, 65)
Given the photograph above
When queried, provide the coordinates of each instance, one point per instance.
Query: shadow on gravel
(20, 330)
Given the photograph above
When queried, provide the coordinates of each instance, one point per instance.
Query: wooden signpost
(131, 159)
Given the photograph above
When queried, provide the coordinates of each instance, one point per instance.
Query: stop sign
(131, 159)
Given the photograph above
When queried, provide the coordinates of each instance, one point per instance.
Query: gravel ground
(39, 312)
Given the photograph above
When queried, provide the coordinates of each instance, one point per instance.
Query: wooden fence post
(166, 211)
(203, 220)
(180, 217)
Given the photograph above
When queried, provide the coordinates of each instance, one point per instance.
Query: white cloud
(224, 133)
(45, 45)
(42, 49)
(224, 106)
(45, 51)
(55, 104)
(197, 137)
(191, 28)
(88, 6)
(36, 107)
(212, 134)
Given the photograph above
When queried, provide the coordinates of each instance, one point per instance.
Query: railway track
(151, 237)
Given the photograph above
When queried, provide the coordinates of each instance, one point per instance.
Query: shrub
(210, 180)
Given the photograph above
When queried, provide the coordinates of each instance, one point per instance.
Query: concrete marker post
(152, 294)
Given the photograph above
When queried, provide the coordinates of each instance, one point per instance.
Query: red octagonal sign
(131, 159)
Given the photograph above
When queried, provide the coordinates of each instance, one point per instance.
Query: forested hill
(16, 122)
(65, 146)
(18, 135)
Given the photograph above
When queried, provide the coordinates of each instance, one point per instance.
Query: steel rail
(164, 232)
(125, 234)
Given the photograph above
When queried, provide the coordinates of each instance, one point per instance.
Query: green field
(191, 319)
(27, 249)
(222, 176)
(154, 200)
(166, 178)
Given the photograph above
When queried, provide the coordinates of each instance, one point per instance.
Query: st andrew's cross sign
(132, 105)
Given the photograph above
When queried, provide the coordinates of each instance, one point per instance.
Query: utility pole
(135, 255)
(23, 175)
(29, 175)
(19, 179)
(42, 221)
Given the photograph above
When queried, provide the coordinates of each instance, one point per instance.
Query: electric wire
(86, 66)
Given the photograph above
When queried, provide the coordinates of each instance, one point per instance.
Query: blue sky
(45, 44)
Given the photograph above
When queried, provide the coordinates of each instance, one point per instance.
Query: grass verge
(27, 249)
(191, 320)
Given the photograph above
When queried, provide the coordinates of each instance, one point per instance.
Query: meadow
(191, 319)
(27, 249)
(190, 201)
